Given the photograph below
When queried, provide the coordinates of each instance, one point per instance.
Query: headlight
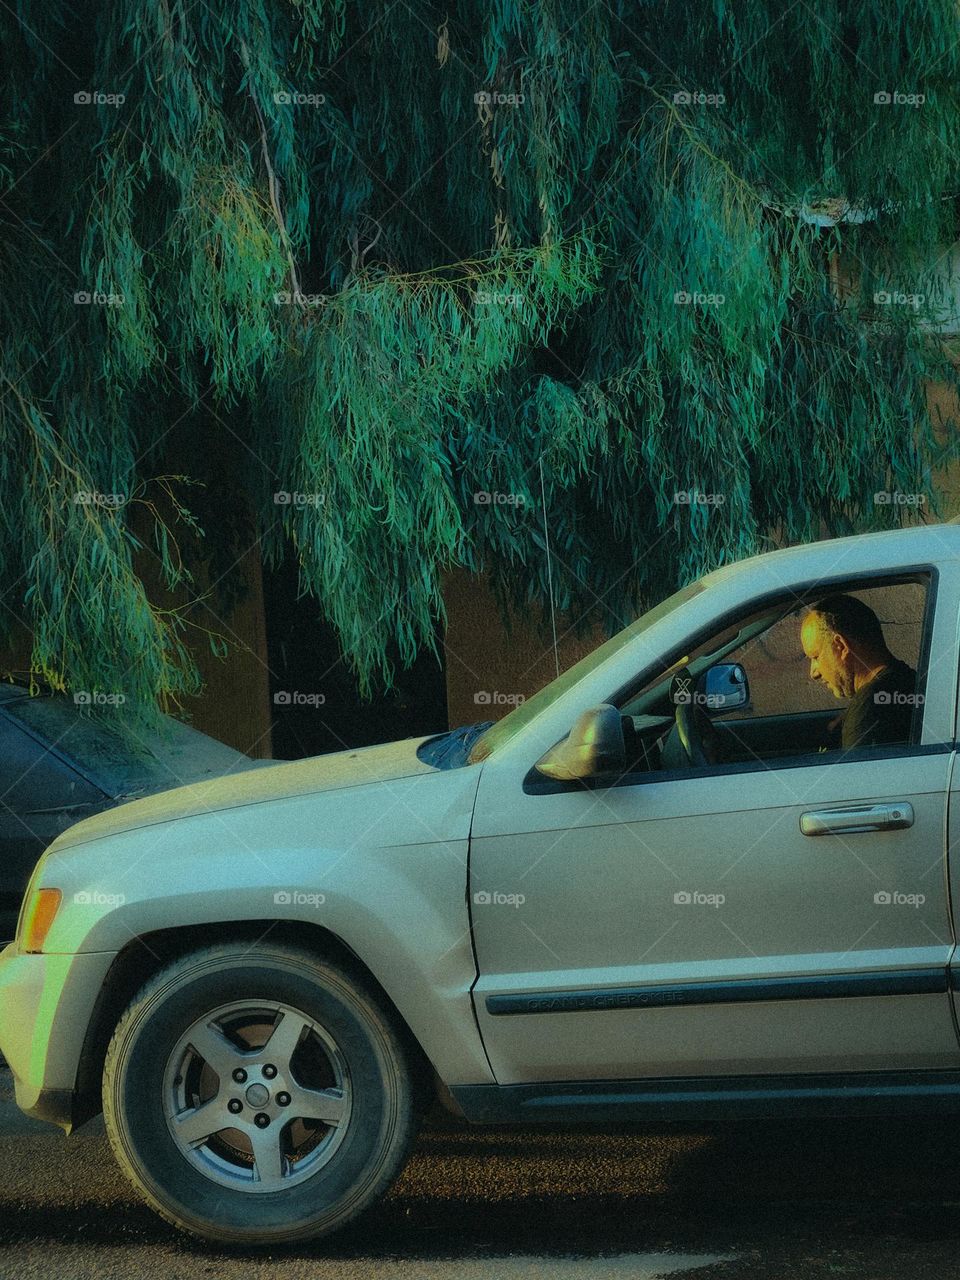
(39, 912)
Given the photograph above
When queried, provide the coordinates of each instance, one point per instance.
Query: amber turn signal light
(39, 917)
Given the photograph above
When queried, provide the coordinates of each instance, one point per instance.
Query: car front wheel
(256, 1095)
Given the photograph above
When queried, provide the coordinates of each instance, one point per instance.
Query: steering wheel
(699, 739)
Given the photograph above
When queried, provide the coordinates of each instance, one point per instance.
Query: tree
(404, 256)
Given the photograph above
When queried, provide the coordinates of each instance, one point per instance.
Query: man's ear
(840, 646)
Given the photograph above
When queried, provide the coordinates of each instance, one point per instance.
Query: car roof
(857, 553)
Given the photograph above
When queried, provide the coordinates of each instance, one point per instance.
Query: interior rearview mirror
(594, 746)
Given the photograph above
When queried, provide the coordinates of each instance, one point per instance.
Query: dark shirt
(882, 711)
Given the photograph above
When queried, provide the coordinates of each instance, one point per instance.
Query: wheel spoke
(328, 1105)
(284, 1039)
(266, 1153)
(193, 1126)
(216, 1050)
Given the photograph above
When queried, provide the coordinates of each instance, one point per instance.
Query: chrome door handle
(859, 817)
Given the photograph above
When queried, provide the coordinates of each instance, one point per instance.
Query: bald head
(843, 640)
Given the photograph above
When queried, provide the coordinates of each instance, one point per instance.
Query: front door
(772, 916)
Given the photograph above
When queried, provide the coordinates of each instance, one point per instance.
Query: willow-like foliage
(402, 255)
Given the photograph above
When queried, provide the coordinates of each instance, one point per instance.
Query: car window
(812, 688)
(503, 730)
(32, 779)
(126, 764)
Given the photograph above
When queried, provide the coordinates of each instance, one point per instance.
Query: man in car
(844, 641)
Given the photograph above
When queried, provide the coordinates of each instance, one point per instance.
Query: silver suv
(705, 872)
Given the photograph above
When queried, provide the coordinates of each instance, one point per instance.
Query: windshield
(175, 753)
(511, 724)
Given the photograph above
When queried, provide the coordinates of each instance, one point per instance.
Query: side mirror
(594, 746)
(723, 688)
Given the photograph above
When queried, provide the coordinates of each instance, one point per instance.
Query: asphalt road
(871, 1200)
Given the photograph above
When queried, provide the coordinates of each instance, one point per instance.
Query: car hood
(271, 781)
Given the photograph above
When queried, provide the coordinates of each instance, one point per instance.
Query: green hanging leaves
(684, 268)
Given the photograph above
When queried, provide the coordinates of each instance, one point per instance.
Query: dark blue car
(58, 765)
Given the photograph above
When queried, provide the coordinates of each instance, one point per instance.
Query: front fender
(382, 866)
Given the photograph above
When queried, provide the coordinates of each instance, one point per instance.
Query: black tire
(376, 1137)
